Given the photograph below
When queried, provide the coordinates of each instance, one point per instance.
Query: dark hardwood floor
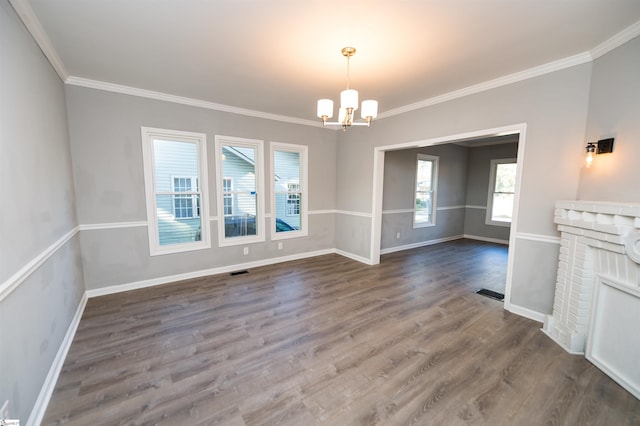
(330, 341)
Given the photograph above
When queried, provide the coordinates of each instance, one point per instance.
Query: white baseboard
(525, 312)
(486, 239)
(40, 406)
(355, 257)
(419, 244)
(118, 288)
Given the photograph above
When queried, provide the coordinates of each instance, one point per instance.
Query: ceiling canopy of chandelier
(348, 104)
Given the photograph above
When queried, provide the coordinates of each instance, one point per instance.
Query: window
(174, 164)
(293, 199)
(227, 188)
(502, 186)
(240, 190)
(186, 206)
(289, 168)
(425, 196)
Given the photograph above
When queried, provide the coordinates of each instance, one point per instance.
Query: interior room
(274, 213)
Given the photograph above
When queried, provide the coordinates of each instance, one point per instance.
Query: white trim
(351, 213)
(525, 312)
(486, 239)
(150, 94)
(571, 61)
(450, 208)
(538, 237)
(112, 225)
(147, 137)
(616, 41)
(354, 257)
(118, 288)
(397, 211)
(18, 278)
(40, 406)
(332, 211)
(32, 23)
(420, 244)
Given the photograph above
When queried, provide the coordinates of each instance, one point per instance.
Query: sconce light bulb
(589, 159)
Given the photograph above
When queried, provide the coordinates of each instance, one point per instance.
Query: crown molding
(617, 40)
(149, 94)
(547, 68)
(33, 25)
(31, 21)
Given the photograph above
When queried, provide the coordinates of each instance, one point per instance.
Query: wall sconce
(603, 146)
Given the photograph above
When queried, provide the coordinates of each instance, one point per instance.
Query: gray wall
(463, 180)
(398, 194)
(107, 163)
(614, 111)
(478, 174)
(38, 210)
(553, 106)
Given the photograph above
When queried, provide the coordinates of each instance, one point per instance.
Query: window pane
(288, 195)
(424, 175)
(502, 207)
(239, 191)
(425, 181)
(171, 229)
(174, 159)
(423, 207)
(178, 215)
(506, 177)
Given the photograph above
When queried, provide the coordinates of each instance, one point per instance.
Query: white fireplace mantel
(596, 309)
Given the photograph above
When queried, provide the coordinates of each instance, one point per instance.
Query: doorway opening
(388, 228)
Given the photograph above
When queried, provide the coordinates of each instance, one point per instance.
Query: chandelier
(348, 104)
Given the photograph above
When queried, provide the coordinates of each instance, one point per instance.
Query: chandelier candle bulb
(369, 110)
(349, 99)
(325, 108)
(348, 104)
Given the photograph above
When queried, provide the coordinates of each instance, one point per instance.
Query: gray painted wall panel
(107, 160)
(614, 111)
(35, 165)
(536, 264)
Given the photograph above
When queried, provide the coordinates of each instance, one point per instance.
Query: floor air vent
(239, 272)
(490, 293)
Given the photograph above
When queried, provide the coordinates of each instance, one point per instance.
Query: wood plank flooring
(330, 341)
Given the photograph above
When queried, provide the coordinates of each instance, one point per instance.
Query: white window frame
(434, 189)
(227, 195)
(493, 169)
(258, 145)
(192, 194)
(148, 135)
(303, 150)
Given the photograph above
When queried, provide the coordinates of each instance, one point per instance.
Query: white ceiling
(280, 56)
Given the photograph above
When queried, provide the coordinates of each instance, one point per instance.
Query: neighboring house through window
(293, 199)
(175, 176)
(289, 200)
(187, 205)
(240, 185)
(425, 193)
(502, 184)
(227, 188)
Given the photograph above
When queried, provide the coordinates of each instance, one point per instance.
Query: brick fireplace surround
(596, 309)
